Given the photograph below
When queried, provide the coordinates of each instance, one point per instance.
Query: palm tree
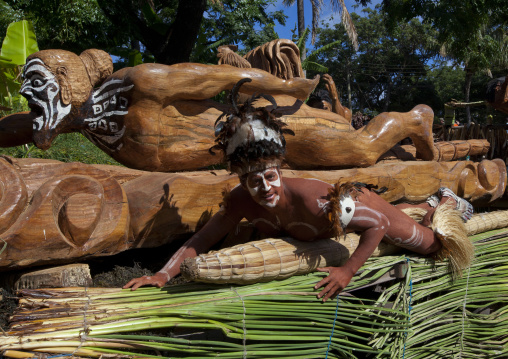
(337, 5)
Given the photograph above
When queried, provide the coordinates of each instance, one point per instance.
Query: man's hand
(338, 278)
(157, 280)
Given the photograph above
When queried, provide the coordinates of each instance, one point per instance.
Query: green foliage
(123, 27)
(388, 71)
(18, 44)
(73, 25)
(232, 22)
(72, 147)
(468, 30)
(309, 61)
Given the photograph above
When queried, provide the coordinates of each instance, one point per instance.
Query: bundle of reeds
(423, 315)
(273, 258)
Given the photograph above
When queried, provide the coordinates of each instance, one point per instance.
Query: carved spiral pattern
(80, 211)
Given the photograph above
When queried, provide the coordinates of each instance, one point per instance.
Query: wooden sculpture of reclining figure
(158, 118)
(253, 144)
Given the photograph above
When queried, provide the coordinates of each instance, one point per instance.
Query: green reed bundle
(423, 315)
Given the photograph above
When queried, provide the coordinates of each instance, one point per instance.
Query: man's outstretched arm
(215, 229)
(373, 226)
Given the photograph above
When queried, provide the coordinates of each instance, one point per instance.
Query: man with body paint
(305, 209)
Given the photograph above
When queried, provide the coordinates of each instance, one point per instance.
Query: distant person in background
(497, 94)
(359, 120)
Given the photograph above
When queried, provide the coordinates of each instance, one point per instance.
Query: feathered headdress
(252, 139)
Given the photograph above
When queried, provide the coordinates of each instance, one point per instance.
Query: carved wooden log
(274, 258)
(80, 212)
(280, 57)
(58, 212)
(446, 150)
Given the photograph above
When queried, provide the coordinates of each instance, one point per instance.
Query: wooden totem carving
(160, 118)
(53, 212)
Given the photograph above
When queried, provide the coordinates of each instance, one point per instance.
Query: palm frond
(347, 21)
(288, 2)
(313, 66)
(314, 54)
(302, 40)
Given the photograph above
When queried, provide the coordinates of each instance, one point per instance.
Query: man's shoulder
(307, 185)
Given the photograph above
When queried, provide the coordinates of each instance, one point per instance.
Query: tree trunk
(176, 44)
(349, 90)
(183, 32)
(467, 90)
(301, 26)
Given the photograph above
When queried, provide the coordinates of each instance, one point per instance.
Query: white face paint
(264, 185)
(41, 89)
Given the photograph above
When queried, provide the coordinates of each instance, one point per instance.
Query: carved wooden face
(42, 90)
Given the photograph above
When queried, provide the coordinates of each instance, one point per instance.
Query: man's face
(41, 89)
(265, 186)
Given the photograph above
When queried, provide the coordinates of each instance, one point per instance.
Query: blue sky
(327, 15)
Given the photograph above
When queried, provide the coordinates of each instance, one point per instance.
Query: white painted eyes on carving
(38, 81)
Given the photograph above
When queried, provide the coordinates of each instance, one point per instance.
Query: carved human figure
(305, 209)
(329, 99)
(158, 118)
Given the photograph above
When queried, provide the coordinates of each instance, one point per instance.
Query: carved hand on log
(53, 212)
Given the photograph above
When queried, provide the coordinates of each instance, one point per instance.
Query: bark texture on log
(71, 275)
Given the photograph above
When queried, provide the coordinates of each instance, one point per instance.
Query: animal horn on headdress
(234, 92)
